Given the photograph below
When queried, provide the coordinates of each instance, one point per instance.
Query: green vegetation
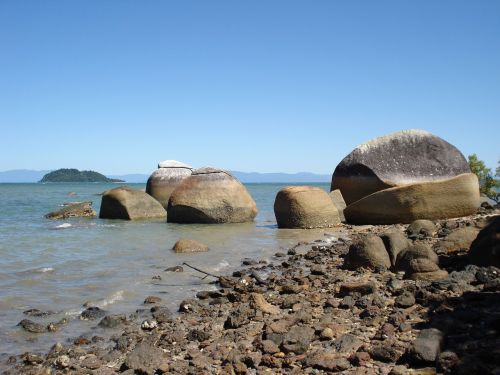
(488, 185)
(74, 175)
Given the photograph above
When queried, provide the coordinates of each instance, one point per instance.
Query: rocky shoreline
(304, 312)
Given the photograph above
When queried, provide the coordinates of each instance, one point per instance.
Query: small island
(74, 175)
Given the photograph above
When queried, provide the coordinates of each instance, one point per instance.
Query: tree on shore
(488, 185)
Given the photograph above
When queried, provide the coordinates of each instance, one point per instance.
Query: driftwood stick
(204, 272)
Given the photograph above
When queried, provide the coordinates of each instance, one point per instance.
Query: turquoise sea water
(60, 265)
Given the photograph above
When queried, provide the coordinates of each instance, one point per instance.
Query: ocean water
(60, 265)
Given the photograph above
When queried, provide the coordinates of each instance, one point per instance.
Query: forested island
(74, 175)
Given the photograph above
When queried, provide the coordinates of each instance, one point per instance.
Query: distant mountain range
(26, 176)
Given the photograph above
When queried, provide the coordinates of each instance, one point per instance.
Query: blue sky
(267, 86)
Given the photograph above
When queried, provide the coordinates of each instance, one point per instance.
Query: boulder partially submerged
(189, 246)
(405, 176)
(211, 196)
(130, 204)
(305, 207)
(73, 209)
(166, 178)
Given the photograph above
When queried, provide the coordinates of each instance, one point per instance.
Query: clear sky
(261, 85)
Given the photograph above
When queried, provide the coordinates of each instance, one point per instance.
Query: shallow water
(60, 265)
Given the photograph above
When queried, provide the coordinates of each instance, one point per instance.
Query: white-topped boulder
(166, 178)
(401, 158)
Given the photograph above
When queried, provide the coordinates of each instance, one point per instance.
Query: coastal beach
(58, 265)
(290, 308)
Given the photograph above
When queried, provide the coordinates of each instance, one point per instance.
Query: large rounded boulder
(402, 158)
(166, 178)
(130, 204)
(305, 207)
(405, 176)
(210, 196)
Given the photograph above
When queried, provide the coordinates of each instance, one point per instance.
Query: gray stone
(407, 299)
(30, 326)
(427, 346)
(146, 359)
(162, 314)
(347, 344)
(92, 313)
(368, 252)
(297, 339)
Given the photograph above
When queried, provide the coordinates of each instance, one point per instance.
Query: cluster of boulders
(394, 250)
(183, 195)
(397, 178)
